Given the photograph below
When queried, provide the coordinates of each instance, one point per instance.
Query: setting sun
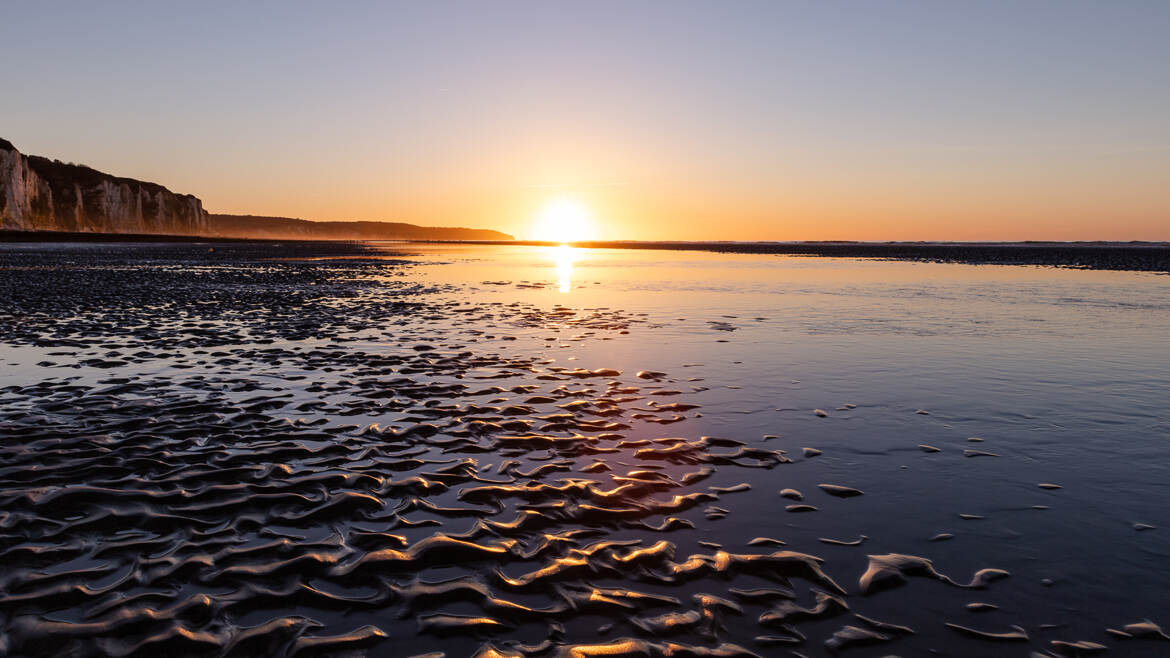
(564, 220)
(566, 292)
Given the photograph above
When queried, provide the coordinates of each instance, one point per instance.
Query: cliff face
(285, 228)
(38, 194)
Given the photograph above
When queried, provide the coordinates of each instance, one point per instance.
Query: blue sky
(745, 120)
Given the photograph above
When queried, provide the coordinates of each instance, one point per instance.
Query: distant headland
(38, 194)
(285, 228)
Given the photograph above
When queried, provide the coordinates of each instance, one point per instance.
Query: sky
(866, 120)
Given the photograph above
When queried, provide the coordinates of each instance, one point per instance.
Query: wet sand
(317, 449)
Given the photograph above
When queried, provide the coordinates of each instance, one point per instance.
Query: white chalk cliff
(38, 194)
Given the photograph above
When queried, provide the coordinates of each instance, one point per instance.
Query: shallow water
(269, 450)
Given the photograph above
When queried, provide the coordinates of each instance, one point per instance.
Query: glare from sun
(564, 221)
(564, 256)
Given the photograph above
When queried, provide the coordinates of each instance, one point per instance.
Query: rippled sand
(311, 451)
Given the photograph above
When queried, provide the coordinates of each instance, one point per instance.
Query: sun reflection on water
(564, 256)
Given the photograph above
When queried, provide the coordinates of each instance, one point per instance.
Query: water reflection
(564, 256)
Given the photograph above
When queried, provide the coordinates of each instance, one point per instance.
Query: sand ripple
(242, 456)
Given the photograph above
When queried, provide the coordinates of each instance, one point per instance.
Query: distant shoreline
(1117, 256)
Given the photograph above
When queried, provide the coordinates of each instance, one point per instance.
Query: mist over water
(400, 449)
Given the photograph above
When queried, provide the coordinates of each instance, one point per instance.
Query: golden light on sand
(564, 220)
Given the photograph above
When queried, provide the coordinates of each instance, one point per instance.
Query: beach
(396, 449)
